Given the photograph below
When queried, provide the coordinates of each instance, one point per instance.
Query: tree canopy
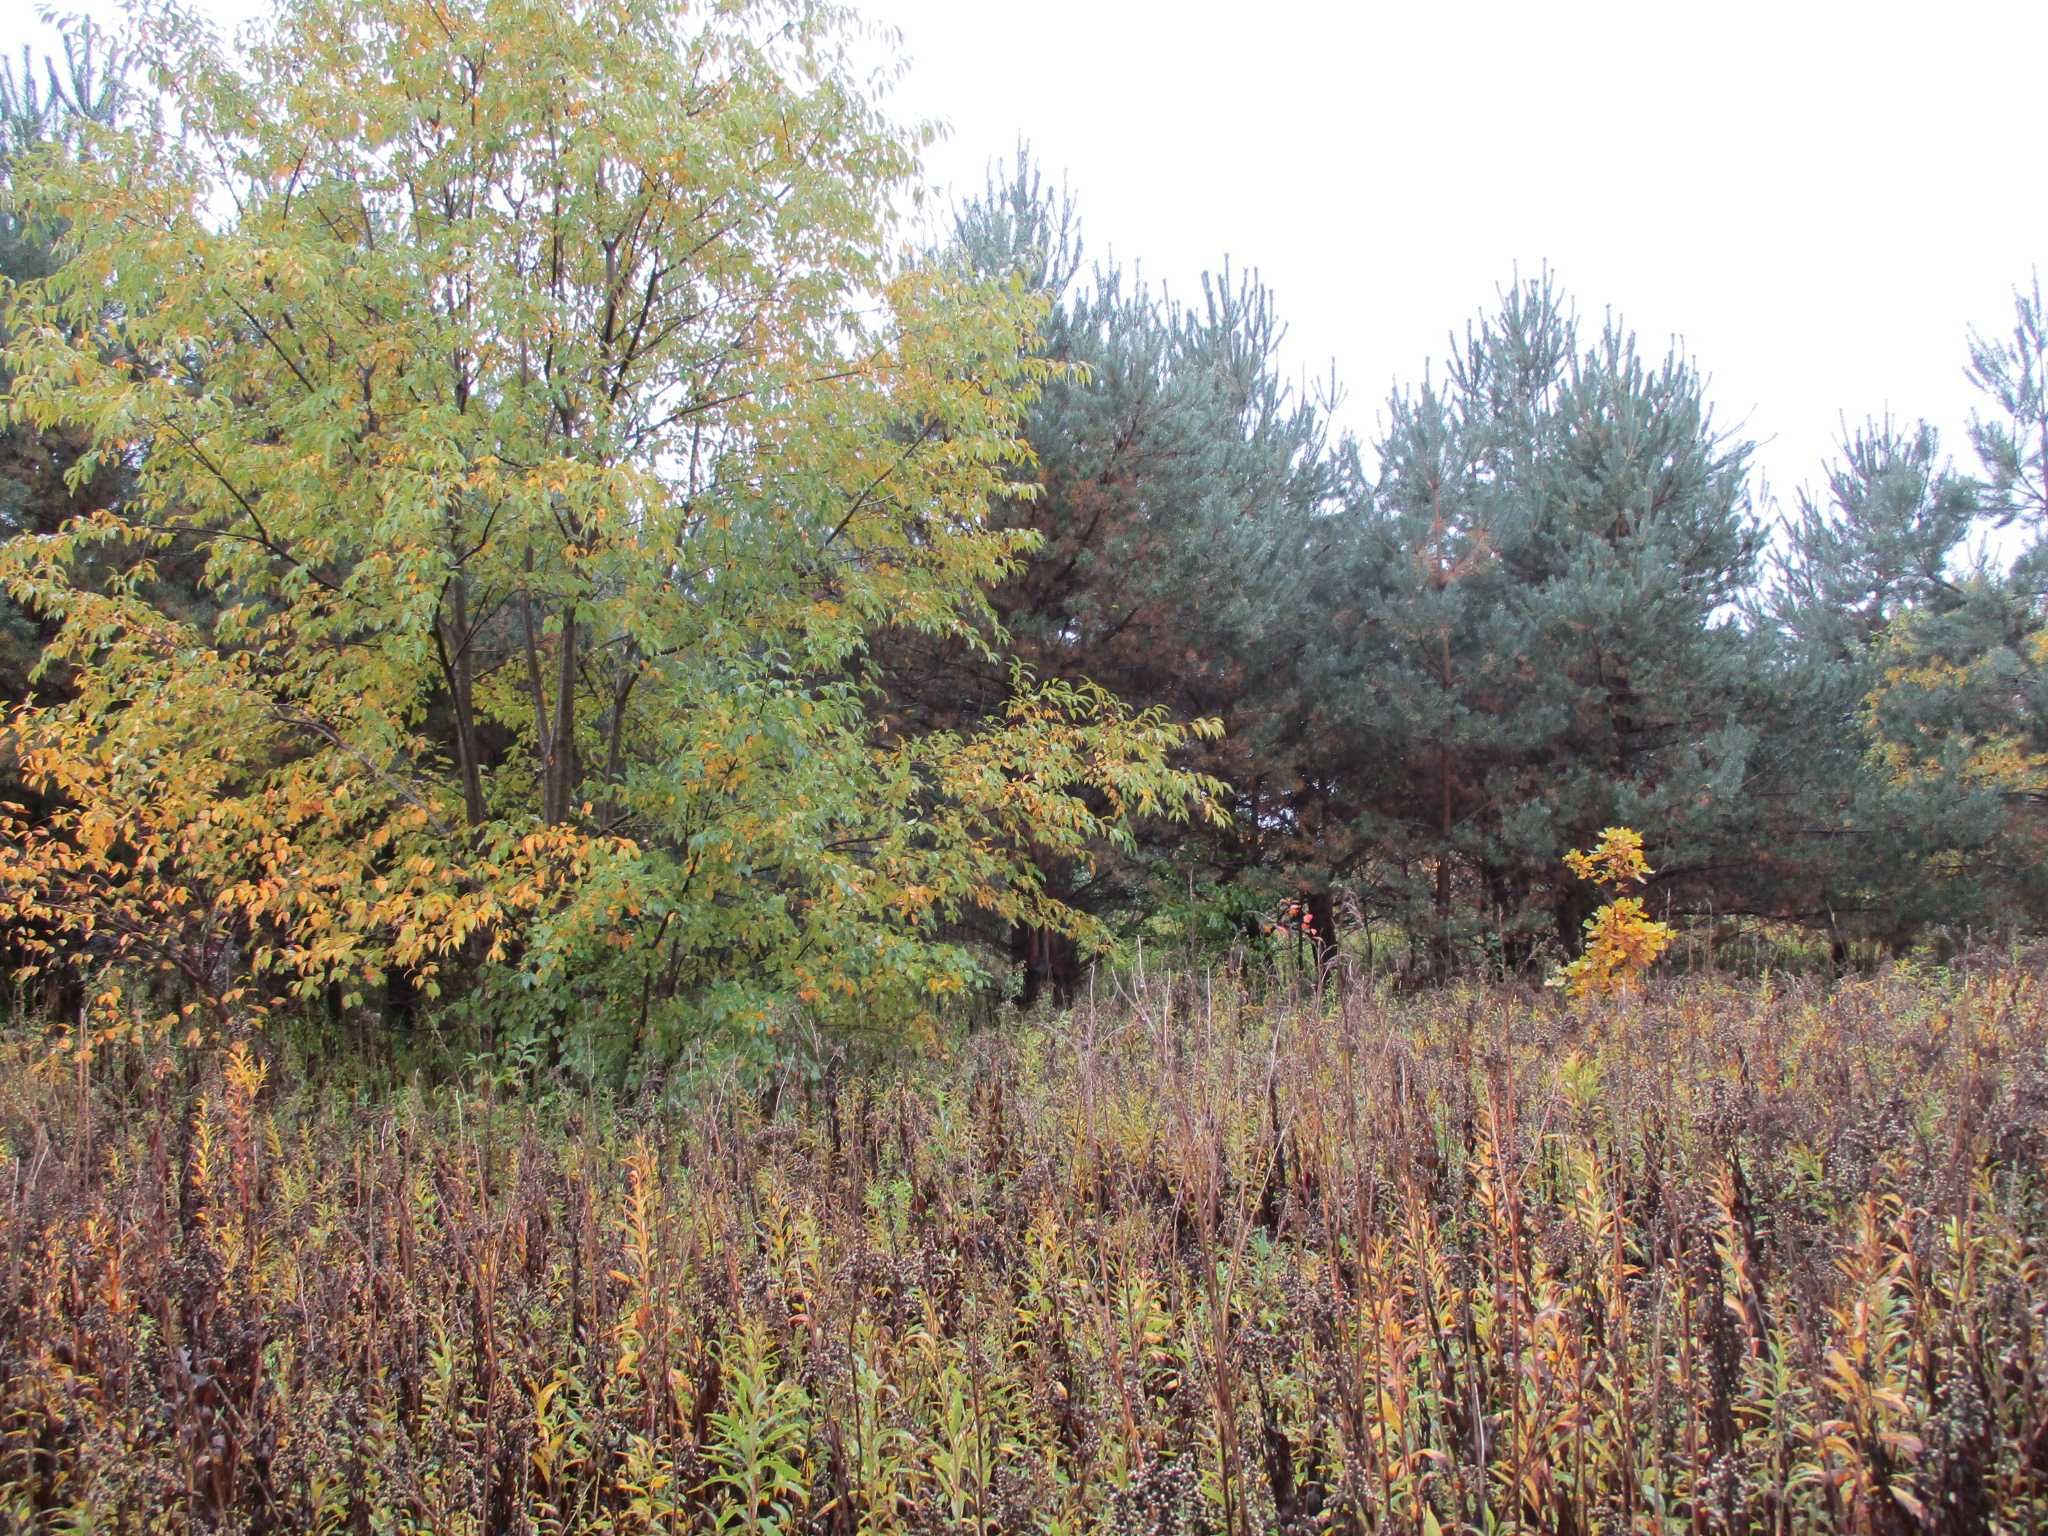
(559, 423)
(502, 514)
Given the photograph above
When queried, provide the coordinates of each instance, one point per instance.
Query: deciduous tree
(560, 428)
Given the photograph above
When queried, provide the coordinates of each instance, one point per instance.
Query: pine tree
(1958, 715)
(1912, 686)
(1532, 634)
(1168, 457)
(2011, 440)
(1839, 844)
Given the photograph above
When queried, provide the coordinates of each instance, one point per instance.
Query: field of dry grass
(1726, 1258)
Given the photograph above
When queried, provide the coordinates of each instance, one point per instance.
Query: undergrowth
(1717, 1258)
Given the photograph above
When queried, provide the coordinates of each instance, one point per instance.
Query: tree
(1958, 727)
(1167, 453)
(1911, 698)
(1622, 942)
(1957, 716)
(560, 434)
(1840, 843)
(2011, 372)
(43, 110)
(1531, 633)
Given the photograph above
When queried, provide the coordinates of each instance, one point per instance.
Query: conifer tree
(1958, 715)
(1169, 458)
(1840, 846)
(1531, 633)
(1911, 721)
(2011, 438)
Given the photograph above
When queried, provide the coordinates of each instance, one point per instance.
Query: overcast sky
(1819, 199)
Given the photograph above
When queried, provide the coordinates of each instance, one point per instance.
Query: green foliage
(1166, 448)
(1528, 632)
(1908, 741)
(500, 531)
(758, 1482)
(44, 111)
(559, 433)
(2012, 439)
(1843, 844)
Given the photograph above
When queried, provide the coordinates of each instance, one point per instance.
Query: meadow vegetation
(570, 643)
(1716, 1256)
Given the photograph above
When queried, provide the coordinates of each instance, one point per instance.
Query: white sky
(1818, 198)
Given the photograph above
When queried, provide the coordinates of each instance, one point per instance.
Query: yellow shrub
(1622, 940)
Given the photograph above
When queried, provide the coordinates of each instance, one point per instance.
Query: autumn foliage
(1622, 940)
(556, 422)
(1763, 1261)
(555, 647)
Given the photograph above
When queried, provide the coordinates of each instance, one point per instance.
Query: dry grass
(1717, 1261)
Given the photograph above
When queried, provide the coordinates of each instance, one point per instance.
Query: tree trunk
(560, 782)
(1048, 960)
(1321, 907)
(459, 668)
